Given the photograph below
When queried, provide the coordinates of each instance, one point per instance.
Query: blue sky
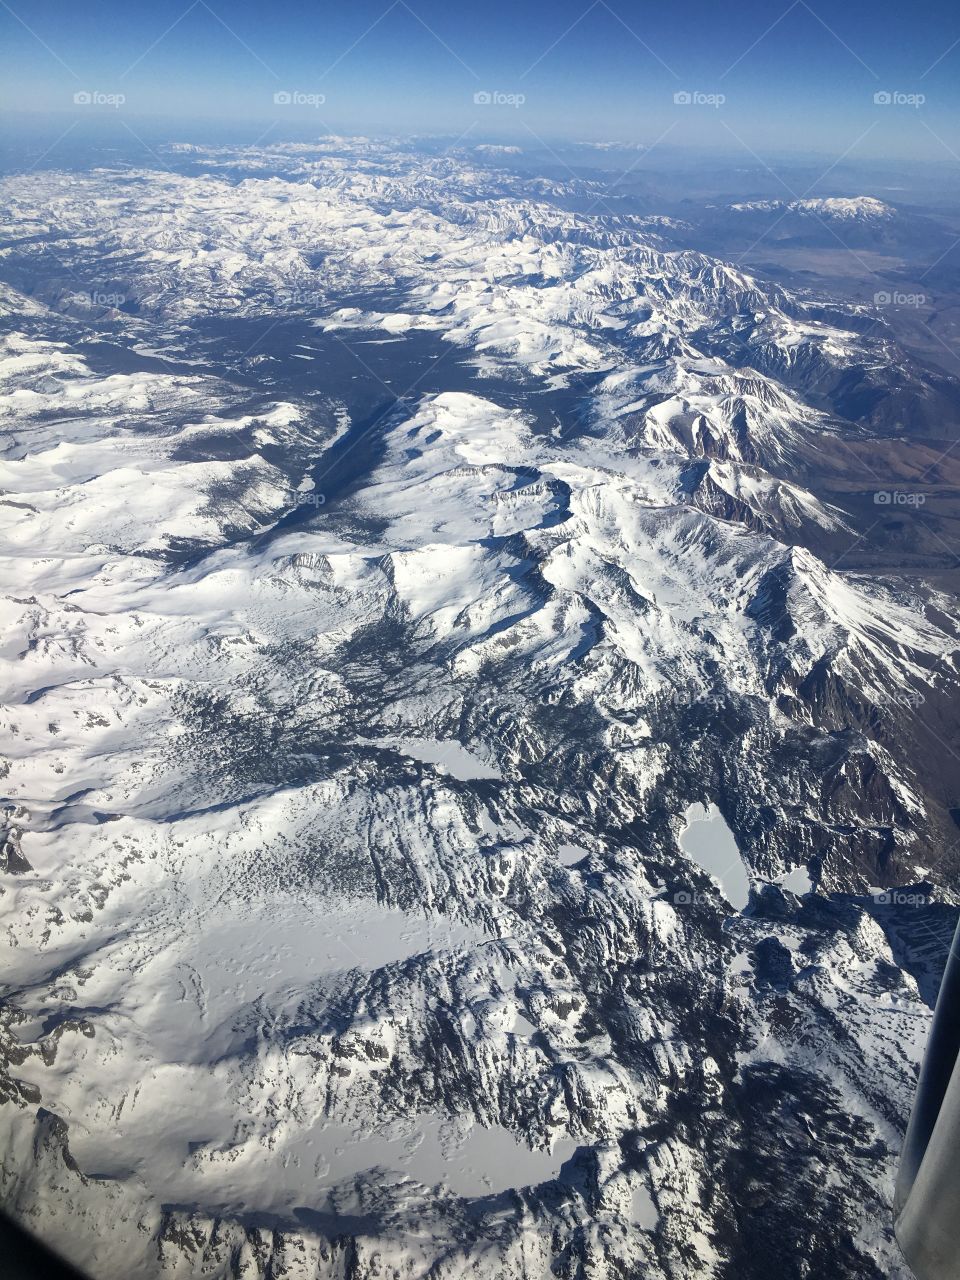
(790, 76)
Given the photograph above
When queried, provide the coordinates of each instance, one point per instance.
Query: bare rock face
(12, 861)
(353, 928)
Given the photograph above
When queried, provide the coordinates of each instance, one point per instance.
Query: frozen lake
(797, 881)
(450, 756)
(708, 840)
(570, 854)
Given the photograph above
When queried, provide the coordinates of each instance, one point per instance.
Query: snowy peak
(859, 209)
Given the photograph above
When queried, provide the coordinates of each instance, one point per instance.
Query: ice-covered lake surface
(570, 854)
(643, 1210)
(708, 840)
(451, 756)
(798, 881)
(447, 755)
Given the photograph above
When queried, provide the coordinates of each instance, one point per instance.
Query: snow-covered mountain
(397, 554)
(841, 208)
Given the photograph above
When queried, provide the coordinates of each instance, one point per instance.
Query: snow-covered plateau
(398, 556)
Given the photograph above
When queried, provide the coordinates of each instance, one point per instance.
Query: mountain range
(402, 557)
